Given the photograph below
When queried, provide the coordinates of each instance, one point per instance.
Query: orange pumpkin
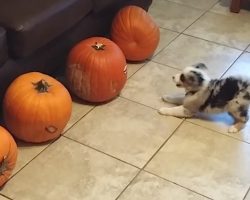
(96, 69)
(8, 155)
(36, 107)
(135, 32)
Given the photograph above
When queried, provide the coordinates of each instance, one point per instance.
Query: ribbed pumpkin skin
(96, 75)
(8, 150)
(135, 32)
(32, 116)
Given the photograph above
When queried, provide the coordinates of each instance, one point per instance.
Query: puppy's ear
(200, 66)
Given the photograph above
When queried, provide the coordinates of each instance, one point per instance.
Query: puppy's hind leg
(241, 118)
(176, 99)
(178, 111)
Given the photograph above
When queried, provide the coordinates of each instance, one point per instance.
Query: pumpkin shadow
(137, 62)
(84, 102)
(78, 100)
(223, 118)
(1, 120)
(21, 143)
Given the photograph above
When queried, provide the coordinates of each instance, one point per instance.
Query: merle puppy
(207, 95)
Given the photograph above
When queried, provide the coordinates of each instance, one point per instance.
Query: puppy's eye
(182, 78)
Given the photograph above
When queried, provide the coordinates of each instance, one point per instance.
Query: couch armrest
(3, 46)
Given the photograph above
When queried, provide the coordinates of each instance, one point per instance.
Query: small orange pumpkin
(135, 32)
(8, 155)
(36, 107)
(96, 69)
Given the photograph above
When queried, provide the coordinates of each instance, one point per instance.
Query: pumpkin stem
(98, 46)
(41, 86)
(3, 165)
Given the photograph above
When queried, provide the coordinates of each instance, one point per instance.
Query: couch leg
(235, 6)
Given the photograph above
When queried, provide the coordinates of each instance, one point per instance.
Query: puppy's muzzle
(177, 84)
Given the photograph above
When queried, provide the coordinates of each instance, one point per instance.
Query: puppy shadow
(223, 118)
(225, 3)
(244, 4)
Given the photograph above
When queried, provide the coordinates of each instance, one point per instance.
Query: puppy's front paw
(164, 111)
(233, 129)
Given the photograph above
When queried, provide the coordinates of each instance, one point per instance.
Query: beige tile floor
(125, 150)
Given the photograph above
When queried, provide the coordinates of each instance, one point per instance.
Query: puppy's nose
(173, 77)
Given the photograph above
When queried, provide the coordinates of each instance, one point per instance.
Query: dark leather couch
(36, 35)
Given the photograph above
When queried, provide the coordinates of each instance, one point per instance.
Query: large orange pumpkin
(96, 69)
(36, 107)
(8, 155)
(135, 32)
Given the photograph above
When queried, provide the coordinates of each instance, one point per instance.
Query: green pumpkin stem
(98, 46)
(41, 86)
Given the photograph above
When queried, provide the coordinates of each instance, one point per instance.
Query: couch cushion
(8, 72)
(102, 5)
(33, 23)
(3, 46)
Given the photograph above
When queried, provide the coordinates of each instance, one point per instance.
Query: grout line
(215, 131)
(49, 144)
(248, 192)
(168, 29)
(220, 44)
(145, 63)
(247, 51)
(124, 189)
(171, 41)
(205, 11)
(213, 5)
(223, 134)
(229, 14)
(188, 6)
(149, 161)
(169, 66)
(71, 140)
(151, 59)
(177, 184)
(210, 129)
(5, 196)
(233, 63)
(163, 144)
(102, 152)
(74, 124)
(136, 102)
(210, 11)
(182, 32)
